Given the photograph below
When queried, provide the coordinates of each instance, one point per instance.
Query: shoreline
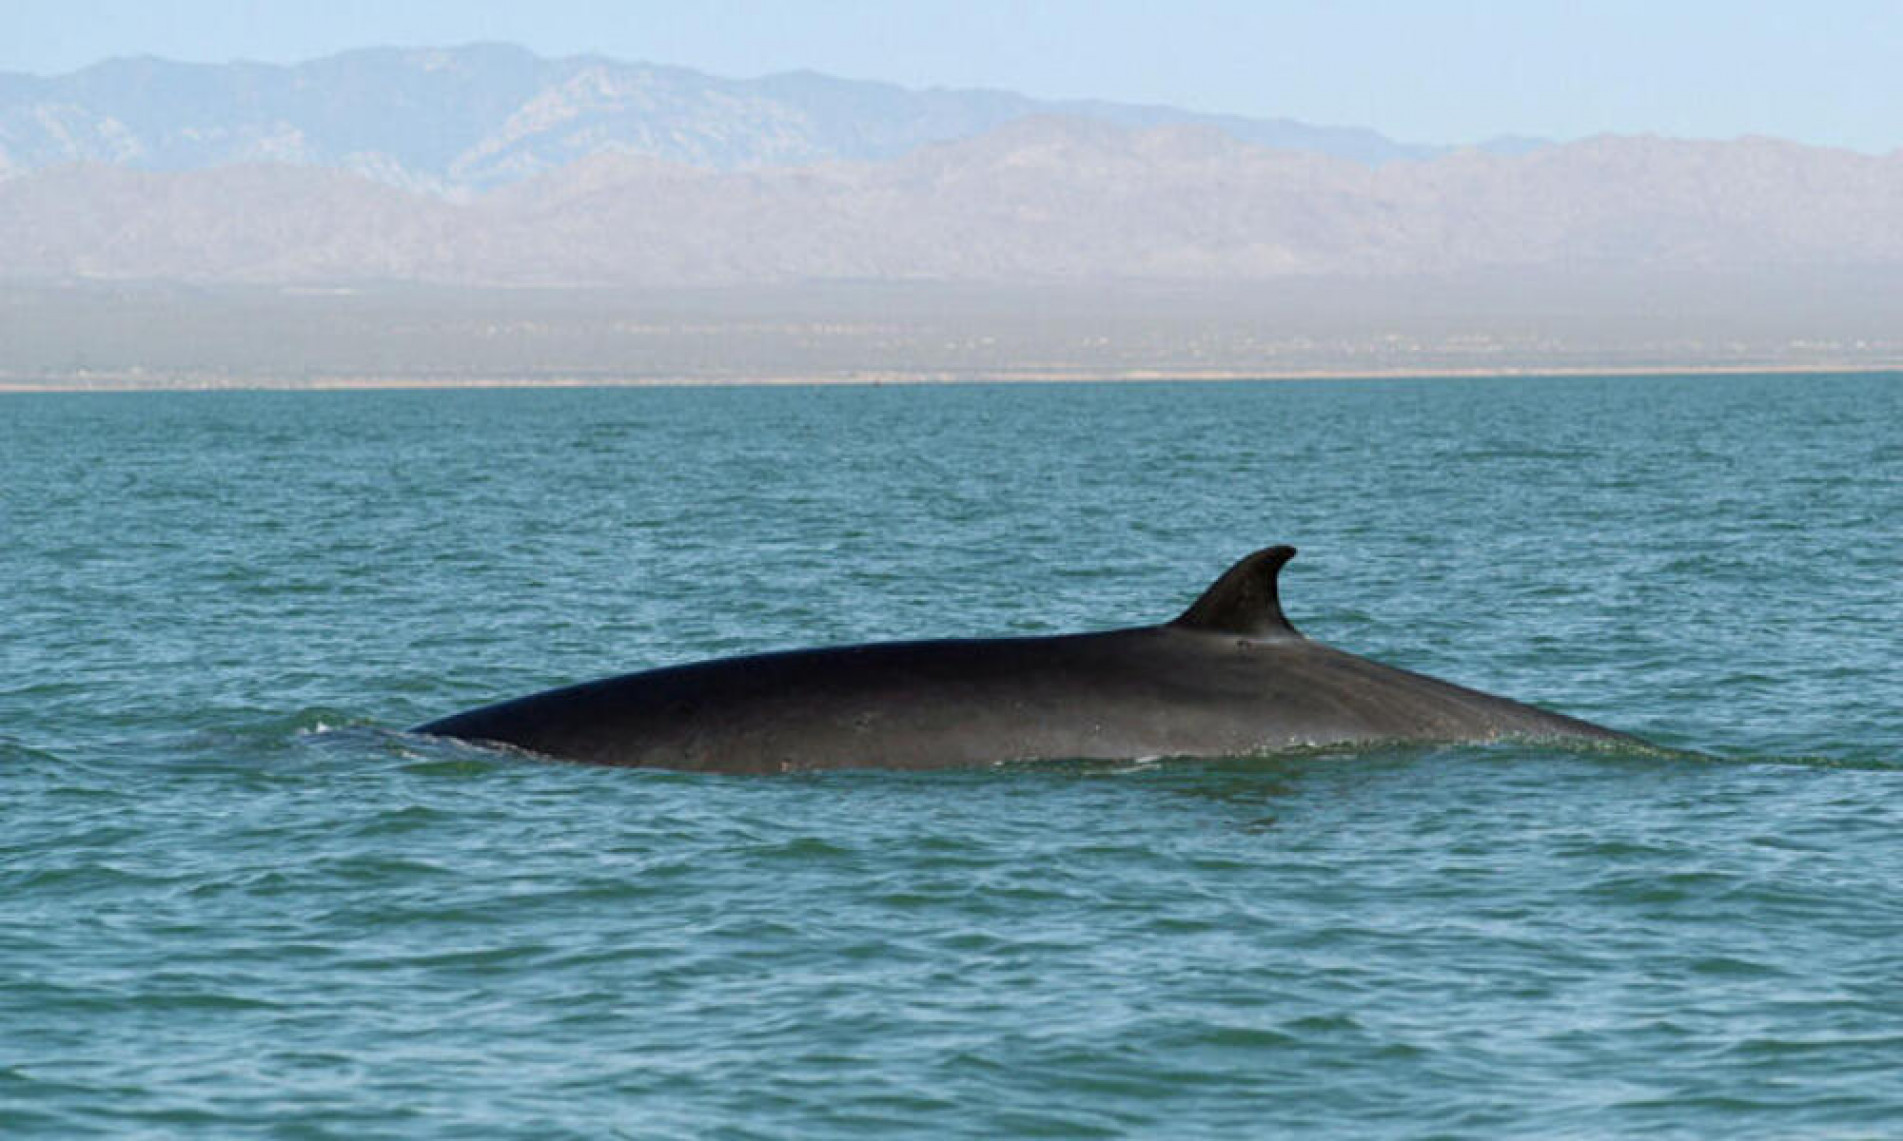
(913, 378)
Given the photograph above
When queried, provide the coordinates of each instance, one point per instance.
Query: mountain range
(489, 165)
(472, 118)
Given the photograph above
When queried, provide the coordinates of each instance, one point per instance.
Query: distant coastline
(175, 336)
(903, 378)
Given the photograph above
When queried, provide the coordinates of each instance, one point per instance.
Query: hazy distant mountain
(481, 116)
(1035, 200)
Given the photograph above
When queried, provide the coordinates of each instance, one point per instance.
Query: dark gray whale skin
(1228, 678)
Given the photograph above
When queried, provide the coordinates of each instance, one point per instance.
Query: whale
(1229, 677)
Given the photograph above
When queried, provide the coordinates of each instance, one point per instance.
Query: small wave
(1851, 762)
(1386, 751)
(266, 732)
(16, 752)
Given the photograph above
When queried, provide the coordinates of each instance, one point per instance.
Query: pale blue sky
(1826, 71)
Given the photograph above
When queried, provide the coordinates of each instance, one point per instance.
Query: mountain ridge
(461, 120)
(490, 165)
(1042, 198)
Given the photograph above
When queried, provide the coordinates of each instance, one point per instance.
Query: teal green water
(236, 900)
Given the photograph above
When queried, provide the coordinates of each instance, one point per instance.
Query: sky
(1823, 71)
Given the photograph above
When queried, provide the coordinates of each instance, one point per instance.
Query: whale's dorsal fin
(1244, 601)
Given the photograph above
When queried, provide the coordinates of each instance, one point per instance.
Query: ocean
(238, 900)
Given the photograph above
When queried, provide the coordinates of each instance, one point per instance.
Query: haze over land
(486, 167)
